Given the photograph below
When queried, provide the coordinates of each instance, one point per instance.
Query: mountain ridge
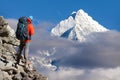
(77, 27)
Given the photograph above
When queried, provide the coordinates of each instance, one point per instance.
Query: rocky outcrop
(8, 42)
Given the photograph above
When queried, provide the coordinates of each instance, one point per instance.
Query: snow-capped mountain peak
(77, 27)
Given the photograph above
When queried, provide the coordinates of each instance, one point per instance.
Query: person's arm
(31, 30)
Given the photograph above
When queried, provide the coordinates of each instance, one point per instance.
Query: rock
(2, 21)
(10, 31)
(23, 74)
(1, 75)
(9, 48)
(3, 25)
(10, 40)
(7, 33)
(17, 77)
(5, 29)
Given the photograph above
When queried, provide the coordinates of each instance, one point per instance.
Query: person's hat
(31, 17)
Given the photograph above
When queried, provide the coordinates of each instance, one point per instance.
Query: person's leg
(26, 51)
(21, 46)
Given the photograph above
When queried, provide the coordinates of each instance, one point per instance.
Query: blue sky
(106, 12)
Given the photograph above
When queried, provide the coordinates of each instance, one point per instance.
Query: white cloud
(65, 74)
(103, 51)
(94, 60)
(85, 74)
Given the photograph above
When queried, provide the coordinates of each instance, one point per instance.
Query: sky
(94, 60)
(106, 12)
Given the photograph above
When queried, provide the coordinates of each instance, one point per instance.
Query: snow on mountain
(78, 26)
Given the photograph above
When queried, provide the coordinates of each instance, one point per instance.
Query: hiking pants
(23, 48)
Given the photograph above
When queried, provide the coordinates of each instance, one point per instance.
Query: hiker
(28, 30)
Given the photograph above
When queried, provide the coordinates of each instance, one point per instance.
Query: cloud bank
(97, 59)
(84, 74)
(102, 51)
